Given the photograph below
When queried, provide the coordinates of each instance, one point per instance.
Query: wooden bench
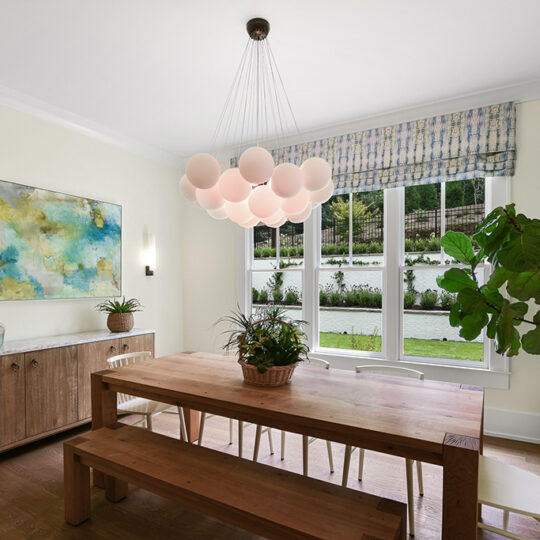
(259, 498)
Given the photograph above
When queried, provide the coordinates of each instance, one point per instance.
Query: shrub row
(357, 297)
(418, 245)
(291, 296)
(353, 297)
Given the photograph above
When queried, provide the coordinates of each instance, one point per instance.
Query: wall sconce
(150, 255)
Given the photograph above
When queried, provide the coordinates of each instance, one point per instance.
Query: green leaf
(471, 301)
(455, 280)
(531, 341)
(522, 252)
(459, 246)
(507, 336)
(491, 329)
(525, 285)
(498, 277)
(493, 297)
(472, 325)
(454, 316)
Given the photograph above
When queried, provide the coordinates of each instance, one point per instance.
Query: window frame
(493, 371)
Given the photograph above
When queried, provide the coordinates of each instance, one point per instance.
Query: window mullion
(392, 286)
(350, 228)
(310, 301)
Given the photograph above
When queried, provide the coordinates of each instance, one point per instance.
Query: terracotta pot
(120, 322)
(273, 376)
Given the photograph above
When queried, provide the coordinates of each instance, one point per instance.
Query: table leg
(192, 423)
(104, 414)
(460, 487)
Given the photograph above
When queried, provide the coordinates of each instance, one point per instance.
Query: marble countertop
(18, 346)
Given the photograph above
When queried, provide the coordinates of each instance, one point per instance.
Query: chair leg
(305, 449)
(149, 422)
(240, 438)
(506, 515)
(230, 430)
(201, 428)
(270, 442)
(330, 457)
(183, 429)
(258, 432)
(346, 465)
(420, 478)
(360, 463)
(410, 494)
(282, 445)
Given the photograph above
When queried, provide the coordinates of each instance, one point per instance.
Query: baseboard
(516, 425)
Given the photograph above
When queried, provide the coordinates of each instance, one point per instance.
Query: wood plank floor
(31, 489)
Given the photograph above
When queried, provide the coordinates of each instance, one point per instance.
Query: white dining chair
(137, 405)
(397, 372)
(306, 440)
(241, 425)
(509, 488)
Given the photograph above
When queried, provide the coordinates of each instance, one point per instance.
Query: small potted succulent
(268, 343)
(120, 317)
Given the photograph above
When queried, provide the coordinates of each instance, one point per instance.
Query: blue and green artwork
(54, 245)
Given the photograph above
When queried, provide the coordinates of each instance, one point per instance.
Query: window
(276, 273)
(430, 211)
(362, 271)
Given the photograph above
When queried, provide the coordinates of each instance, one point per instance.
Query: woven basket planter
(273, 376)
(120, 322)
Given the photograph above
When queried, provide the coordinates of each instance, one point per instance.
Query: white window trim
(496, 374)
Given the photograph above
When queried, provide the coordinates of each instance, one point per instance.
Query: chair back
(391, 370)
(320, 363)
(125, 360)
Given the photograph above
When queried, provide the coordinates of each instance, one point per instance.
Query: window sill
(484, 377)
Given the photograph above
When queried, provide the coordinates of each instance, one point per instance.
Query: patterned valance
(458, 146)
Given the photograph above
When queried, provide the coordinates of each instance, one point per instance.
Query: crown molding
(37, 108)
(521, 92)
(518, 93)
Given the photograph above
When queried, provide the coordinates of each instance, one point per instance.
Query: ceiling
(158, 72)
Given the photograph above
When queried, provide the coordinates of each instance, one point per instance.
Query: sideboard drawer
(92, 357)
(12, 413)
(141, 343)
(51, 389)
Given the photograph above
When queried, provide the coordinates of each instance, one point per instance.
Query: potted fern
(120, 317)
(268, 343)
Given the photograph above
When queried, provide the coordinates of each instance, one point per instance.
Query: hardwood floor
(31, 489)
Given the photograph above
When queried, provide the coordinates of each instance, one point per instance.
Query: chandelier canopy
(257, 109)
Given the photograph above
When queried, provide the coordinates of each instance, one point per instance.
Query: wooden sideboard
(45, 382)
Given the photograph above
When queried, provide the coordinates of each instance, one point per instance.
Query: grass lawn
(434, 348)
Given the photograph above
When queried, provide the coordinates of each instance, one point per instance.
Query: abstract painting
(54, 245)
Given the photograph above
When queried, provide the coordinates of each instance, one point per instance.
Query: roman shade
(458, 146)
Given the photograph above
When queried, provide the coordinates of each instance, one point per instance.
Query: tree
(511, 243)
(340, 208)
(454, 194)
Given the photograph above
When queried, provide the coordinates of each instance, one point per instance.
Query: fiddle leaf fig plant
(510, 242)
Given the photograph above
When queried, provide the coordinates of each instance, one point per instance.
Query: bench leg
(115, 490)
(76, 488)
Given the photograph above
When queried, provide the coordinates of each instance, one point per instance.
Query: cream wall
(46, 155)
(210, 276)
(523, 394)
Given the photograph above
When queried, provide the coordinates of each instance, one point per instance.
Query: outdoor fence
(418, 224)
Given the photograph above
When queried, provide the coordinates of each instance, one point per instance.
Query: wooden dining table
(429, 421)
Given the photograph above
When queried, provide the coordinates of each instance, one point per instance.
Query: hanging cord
(257, 107)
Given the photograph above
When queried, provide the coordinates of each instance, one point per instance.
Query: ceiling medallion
(257, 109)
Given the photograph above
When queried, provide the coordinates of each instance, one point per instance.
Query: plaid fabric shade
(459, 146)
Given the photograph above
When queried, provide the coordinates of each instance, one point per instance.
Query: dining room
(269, 270)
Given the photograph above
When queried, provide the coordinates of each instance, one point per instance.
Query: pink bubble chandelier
(257, 191)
